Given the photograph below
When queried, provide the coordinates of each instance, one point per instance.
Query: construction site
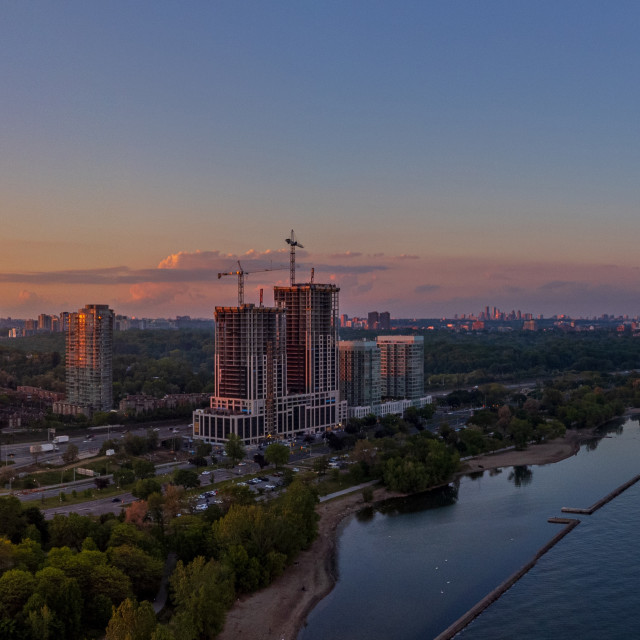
(276, 368)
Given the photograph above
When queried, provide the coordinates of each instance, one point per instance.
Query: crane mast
(293, 243)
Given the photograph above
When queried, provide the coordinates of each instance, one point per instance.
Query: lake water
(411, 568)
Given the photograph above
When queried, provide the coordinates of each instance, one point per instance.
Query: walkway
(344, 492)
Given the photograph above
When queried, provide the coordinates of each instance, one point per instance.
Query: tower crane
(241, 273)
(292, 256)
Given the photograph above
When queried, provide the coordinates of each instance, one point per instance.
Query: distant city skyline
(430, 156)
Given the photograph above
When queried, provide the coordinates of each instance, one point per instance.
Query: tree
(61, 595)
(144, 488)
(144, 469)
(136, 513)
(203, 449)
(15, 588)
(70, 531)
(101, 483)
(365, 453)
(277, 454)
(42, 624)
(131, 621)
(143, 570)
(124, 477)
(234, 448)
(13, 522)
(71, 454)
(186, 478)
(320, 465)
(173, 501)
(202, 592)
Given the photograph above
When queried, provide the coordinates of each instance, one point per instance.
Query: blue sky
(433, 157)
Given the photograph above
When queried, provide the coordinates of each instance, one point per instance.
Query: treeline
(513, 419)
(77, 576)
(477, 358)
(159, 362)
(156, 363)
(390, 449)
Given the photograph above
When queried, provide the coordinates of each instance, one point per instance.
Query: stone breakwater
(570, 524)
(608, 498)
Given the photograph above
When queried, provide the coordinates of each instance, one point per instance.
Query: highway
(88, 443)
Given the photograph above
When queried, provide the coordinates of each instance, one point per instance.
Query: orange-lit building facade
(89, 357)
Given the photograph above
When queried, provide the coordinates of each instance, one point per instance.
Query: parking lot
(260, 484)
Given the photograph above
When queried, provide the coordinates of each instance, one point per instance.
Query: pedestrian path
(344, 492)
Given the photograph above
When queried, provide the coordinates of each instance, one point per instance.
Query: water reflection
(521, 475)
(440, 497)
(592, 445)
(366, 514)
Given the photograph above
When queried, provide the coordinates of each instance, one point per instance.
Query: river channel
(413, 566)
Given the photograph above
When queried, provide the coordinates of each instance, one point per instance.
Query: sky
(433, 157)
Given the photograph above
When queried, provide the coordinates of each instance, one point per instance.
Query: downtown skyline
(430, 156)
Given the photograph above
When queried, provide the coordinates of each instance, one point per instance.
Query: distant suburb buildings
(89, 355)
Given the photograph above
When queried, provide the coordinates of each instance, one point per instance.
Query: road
(88, 443)
(92, 508)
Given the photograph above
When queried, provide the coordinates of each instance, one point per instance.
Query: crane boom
(241, 273)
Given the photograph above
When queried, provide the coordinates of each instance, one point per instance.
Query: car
(242, 464)
(206, 473)
(269, 486)
(212, 493)
(254, 481)
(295, 470)
(116, 500)
(263, 478)
(242, 484)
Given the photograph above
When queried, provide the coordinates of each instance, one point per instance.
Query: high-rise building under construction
(276, 367)
(311, 336)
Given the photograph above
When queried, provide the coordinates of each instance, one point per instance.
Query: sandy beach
(545, 453)
(279, 611)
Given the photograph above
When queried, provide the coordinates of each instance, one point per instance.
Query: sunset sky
(432, 157)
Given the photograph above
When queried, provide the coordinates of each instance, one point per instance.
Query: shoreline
(279, 611)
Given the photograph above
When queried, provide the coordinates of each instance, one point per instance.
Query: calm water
(412, 568)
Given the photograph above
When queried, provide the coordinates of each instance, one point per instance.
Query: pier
(597, 505)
